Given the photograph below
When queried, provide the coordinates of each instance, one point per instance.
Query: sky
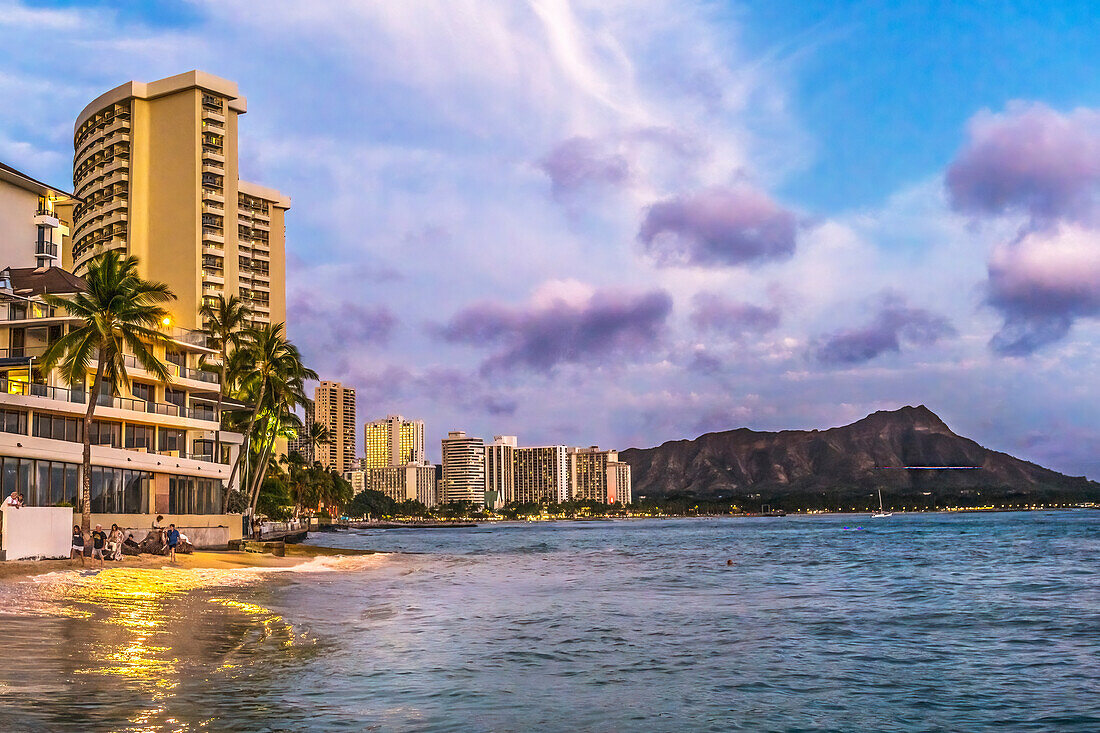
(622, 222)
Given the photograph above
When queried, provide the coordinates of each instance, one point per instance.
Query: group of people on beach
(109, 546)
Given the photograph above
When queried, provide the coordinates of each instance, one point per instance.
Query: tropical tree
(285, 391)
(266, 361)
(118, 310)
(317, 435)
(226, 320)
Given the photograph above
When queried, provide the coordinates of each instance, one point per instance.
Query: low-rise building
(152, 441)
(411, 482)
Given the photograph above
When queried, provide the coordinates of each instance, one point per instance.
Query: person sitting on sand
(78, 545)
(114, 543)
(173, 538)
(99, 539)
(132, 543)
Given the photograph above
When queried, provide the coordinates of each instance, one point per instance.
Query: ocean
(925, 622)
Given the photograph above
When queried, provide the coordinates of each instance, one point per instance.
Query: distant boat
(881, 512)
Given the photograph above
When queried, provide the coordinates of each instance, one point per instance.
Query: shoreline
(17, 570)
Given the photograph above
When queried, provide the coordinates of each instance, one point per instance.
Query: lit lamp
(166, 321)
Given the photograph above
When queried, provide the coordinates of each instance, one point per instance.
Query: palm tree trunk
(261, 467)
(86, 465)
(248, 431)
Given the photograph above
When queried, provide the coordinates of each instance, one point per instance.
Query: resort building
(34, 219)
(500, 462)
(152, 442)
(597, 475)
(463, 468)
(411, 482)
(155, 169)
(357, 479)
(541, 474)
(334, 407)
(393, 441)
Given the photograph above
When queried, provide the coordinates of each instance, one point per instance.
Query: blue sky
(624, 222)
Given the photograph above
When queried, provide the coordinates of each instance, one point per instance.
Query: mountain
(844, 466)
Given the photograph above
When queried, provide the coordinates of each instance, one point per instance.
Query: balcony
(211, 153)
(45, 249)
(210, 166)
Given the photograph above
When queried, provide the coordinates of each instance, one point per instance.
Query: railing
(42, 390)
(45, 248)
(205, 414)
(29, 313)
(22, 352)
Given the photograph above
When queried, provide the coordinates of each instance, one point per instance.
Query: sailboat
(881, 512)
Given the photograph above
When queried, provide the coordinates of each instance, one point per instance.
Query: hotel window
(140, 436)
(13, 421)
(143, 391)
(191, 495)
(56, 483)
(118, 491)
(106, 433)
(171, 439)
(57, 428)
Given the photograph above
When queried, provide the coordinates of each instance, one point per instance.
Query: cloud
(1041, 283)
(324, 324)
(894, 323)
(736, 319)
(564, 322)
(581, 161)
(1029, 159)
(723, 227)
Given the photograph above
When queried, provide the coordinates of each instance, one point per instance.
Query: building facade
(463, 468)
(411, 482)
(155, 170)
(500, 463)
(541, 474)
(34, 219)
(598, 475)
(393, 441)
(357, 479)
(334, 407)
(152, 441)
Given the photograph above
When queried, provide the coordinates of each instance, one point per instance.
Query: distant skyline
(621, 223)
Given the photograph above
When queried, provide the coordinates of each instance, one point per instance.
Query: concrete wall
(206, 531)
(36, 532)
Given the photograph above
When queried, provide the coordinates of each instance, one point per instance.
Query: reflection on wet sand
(147, 646)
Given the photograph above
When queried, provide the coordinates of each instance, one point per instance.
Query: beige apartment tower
(155, 168)
(541, 474)
(334, 407)
(463, 468)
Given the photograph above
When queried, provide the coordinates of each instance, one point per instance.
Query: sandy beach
(200, 559)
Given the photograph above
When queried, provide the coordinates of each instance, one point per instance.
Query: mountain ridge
(809, 468)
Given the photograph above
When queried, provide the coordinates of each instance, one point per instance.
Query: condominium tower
(34, 220)
(156, 168)
(500, 479)
(542, 474)
(463, 468)
(334, 407)
(597, 475)
(393, 441)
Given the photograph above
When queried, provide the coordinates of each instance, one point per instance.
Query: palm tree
(226, 319)
(286, 391)
(317, 435)
(119, 309)
(271, 370)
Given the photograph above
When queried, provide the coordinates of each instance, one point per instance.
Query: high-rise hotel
(156, 170)
(393, 441)
(334, 407)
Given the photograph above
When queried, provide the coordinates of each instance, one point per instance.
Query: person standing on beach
(78, 545)
(173, 538)
(99, 540)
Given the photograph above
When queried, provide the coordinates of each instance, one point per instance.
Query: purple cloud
(722, 227)
(736, 319)
(1041, 283)
(1030, 159)
(581, 161)
(554, 330)
(313, 322)
(893, 324)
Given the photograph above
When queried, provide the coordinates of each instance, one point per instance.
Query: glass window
(139, 436)
(172, 440)
(71, 487)
(57, 479)
(99, 490)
